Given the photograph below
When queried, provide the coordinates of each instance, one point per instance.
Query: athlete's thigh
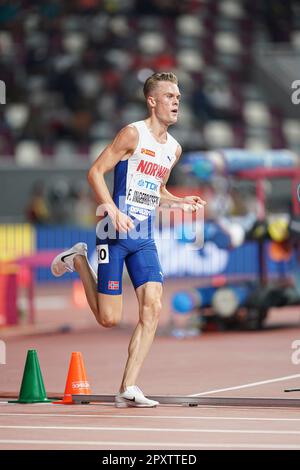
(111, 256)
(143, 265)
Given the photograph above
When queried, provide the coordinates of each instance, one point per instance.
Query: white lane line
(253, 384)
(229, 418)
(16, 403)
(131, 429)
(147, 444)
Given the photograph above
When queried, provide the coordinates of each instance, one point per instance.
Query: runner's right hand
(121, 221)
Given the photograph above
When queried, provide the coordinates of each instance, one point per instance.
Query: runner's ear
(151, 101)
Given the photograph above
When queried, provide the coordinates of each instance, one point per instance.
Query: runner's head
(162, 96)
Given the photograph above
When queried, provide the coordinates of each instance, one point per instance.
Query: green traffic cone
(32, 387)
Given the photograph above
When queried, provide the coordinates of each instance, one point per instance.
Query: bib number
(103, 254)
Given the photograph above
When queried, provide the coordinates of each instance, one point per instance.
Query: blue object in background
(221, 238)
(203, 169)
(185, 233)
(241, 293)
(206, 295)
(185, 301)
(211, 232)
(240, 159)
(241, 261)
(204, 164)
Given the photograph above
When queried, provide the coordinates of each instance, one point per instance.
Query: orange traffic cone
(77, 383)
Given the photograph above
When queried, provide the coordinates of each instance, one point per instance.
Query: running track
(240, 364)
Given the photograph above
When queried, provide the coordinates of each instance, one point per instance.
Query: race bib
(102, 254)
(143, 192)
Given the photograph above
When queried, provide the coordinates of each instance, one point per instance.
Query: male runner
(142, 156)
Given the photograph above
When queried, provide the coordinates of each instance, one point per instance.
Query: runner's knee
(108, 318)
(151, 309)
(108, 322)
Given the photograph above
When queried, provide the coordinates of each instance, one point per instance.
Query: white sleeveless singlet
(138, 179)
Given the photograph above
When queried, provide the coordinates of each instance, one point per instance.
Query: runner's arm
(122, 146)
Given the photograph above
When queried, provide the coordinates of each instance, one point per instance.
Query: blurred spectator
(278, 18)
(73, 69)
(161, 7)
(239, 207)
(60, 202)
(37, 211)
(84, 206)
(221, 203)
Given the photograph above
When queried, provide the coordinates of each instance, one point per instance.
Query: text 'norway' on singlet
(138, 179)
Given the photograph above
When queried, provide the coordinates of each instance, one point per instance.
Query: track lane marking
(229, 418)
(148, 444)
(248, 385)
(131, 429)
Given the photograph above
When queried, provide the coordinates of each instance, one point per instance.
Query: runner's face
(166, 98)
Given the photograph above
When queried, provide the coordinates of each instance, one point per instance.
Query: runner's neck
(158, 131)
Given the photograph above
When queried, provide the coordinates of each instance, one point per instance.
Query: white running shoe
(133, 397)
(65, 261)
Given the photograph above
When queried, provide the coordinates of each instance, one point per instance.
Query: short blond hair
(152, 81)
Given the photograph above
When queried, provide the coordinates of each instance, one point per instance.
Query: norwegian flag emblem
(113, 285)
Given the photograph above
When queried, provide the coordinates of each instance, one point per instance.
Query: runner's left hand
(192, 203)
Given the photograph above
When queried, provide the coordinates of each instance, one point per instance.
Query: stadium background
(73, 74)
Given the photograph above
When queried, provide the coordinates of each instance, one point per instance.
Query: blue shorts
(141, 260)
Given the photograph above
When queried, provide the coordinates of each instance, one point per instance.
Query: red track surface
(202, 364)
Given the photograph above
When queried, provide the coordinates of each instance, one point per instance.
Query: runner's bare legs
(149, 299)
